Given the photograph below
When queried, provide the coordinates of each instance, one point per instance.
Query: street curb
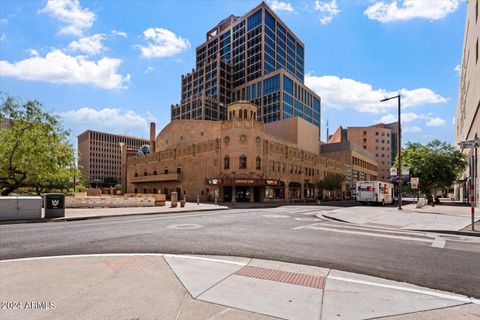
(460, 233)
(332, 218)
(8, 222)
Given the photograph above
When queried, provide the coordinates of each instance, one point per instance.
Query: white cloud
(119, 33)
(4, 21)
(281, 6)
(91, 45)
(328, 10)
(75, 18)
(436, 122)
(107, 119)
(458, 69)
(388, 118)
(148, 70)
(412, 129)
(410, 9)
(33, 52)
(58, 67)
(453, 120)
(341, 93)
(162, 43)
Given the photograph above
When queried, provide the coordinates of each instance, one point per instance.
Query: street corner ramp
(199, 273)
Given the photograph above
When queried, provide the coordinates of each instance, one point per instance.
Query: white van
(374, 192)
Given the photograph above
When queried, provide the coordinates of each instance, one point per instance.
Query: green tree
(436, 164)
(34, 151)
(330, 183)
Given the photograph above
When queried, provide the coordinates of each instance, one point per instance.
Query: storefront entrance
(243, 194)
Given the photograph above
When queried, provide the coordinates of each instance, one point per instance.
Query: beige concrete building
(360, 164)
(99, 156)
(467, 119)
(239, 158)
(379, 139)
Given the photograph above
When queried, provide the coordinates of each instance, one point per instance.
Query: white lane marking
(439, 243)
(185, 226)
(358, 227)
(127, 255)
(306, 219)
(278, 216)
(415, 290)
(84, 256)
(377, 235)
(206, 259)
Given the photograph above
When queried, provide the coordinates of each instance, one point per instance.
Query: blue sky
(116, 65)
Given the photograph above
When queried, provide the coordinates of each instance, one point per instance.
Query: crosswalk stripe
(377, 235)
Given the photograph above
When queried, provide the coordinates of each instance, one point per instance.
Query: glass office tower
(255, 57)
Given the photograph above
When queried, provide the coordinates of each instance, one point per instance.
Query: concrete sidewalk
(88, 213)
(410, 218)
(72, 214)
(155, 286)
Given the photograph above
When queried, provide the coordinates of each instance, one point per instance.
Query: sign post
(471, 144)
(414, 185)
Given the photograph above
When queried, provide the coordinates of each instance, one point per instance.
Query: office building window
(254, 20)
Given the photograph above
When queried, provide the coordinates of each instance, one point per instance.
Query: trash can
(54, 205)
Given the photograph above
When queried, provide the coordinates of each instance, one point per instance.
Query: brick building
(239, 157)
(360, 164)
(99, 156)
(379, 139)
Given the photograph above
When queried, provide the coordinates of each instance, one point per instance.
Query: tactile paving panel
(299, 279)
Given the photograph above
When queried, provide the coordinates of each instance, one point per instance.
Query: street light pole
(399, 150)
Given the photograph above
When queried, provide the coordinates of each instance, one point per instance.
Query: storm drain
(299, 279)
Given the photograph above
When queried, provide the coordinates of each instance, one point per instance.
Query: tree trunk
(8, 190)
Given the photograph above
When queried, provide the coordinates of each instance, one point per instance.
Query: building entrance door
(243, 194)
(227, 194)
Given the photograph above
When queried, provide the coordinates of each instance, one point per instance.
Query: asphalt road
(290, 234)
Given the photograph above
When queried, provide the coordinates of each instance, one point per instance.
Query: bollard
(198, 200)
(216, 200)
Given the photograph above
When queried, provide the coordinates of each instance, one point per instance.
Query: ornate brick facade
(231, 157)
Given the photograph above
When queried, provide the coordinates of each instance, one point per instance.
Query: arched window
(234, 113)
(258, 163)
(245, 113)
(230, 115)
(243, 162)
(226, 162)
(240, 114)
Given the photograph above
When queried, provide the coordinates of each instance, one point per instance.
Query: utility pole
(399, 150)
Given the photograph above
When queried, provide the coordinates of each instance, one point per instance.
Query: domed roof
(145, 149)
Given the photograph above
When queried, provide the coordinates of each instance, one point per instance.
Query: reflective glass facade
(254, 57)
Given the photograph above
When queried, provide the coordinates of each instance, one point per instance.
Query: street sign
(405, 173)
(393, 174)
(470, 144)
(414, 183)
